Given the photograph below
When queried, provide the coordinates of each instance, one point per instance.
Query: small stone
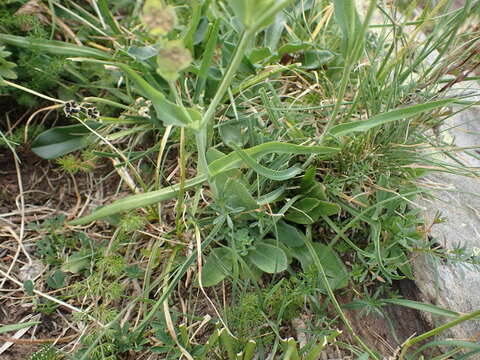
(31, 271)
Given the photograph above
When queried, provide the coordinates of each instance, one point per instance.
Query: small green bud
(159, 19)
(172, 58)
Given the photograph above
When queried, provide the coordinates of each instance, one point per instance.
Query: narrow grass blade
(15, 327)
(107, 15)
(456, 343)
(206, 60)
(394, 115)
(423, 307)
(436, 331)
(53, 46)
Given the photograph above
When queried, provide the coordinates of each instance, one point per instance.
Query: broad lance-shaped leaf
(217, 267)
(310, 187)
(268, 258)
(347, 17)
(394, 115)
(62, 140)
(335, 270)
(254, 14)
(289, 235)
(53, 46)
(237, 195)
(217, 167)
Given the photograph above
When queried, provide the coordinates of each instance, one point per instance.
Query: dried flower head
(159, 19)
(172, 58)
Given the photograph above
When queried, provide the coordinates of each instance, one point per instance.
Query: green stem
(331, 295)
(436, 331)
(227, 78)
(201, 135)
(181, 190)
(247, 36)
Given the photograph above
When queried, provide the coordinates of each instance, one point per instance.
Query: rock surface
(451, 285)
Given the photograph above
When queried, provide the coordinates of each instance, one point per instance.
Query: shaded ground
(47, 192)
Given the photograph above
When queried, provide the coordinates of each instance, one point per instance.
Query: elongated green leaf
(268, 258)
(271, 196)
(206, 60)
(274, 32)
(394, 115)
(290, 349)
(142, 53)
(450, 343)
(423, 307)
(248, 11)
(278, 175)
(217, 267)
(232, 132)
(259, 54)
(347, 17)
(137, 201)
(194, 22)
(237, 195)
(62, 140)
(310, 187)
(249, 351)
(225, 163)
(233, 160)
(77, 262)
(15, 327)
(53, 46)
(167, 111)
(315, 351)
(108, 17)
(289, 48)
(314, 59)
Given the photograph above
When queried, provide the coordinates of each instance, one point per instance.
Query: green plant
(47, 352)
(6, 66)
(275, 137)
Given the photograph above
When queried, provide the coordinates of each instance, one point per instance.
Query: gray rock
(453, 285)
